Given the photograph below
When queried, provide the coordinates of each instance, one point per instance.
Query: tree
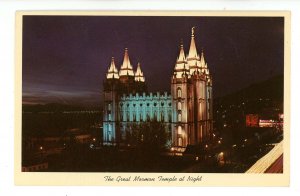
(151, 136)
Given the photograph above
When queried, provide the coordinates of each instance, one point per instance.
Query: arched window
(180, 141)
(134, 117)
(162, 117)
(200, 110)
(141, 117)
(179, 93)
(179, 130)
(179, 117)
(179, 106)
(128, 119)
(109, 107)
(121, 116)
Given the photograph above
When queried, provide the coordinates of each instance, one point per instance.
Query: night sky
(65, 58)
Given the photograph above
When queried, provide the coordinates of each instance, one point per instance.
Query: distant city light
(234, 145)
(41, 147)
(206, 146)
(219, 141)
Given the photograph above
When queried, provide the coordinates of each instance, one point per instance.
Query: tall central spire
(126, 68)
(193, 50)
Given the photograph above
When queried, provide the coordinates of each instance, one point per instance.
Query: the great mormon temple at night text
(186, 112)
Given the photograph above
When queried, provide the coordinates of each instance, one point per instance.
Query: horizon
(101, 105)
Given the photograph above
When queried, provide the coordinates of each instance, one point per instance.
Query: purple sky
(65, 58)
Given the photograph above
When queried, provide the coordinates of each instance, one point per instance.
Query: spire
(181, 66)
(139, 76)
(126, 68)
(202, 60)
(181, 53)
(193, 50)
(112, 70)
(193, 57)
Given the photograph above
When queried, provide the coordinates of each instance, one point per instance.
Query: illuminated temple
(186, 112)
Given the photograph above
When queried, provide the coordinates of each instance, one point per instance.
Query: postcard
(152, 98)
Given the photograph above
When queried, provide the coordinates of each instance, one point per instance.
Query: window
(162, 117)
(179, 106)
(180, 141)
(109, 116)
(200, 110)
(134, 117)
(127, 116)
(121, 116)
(109, 106)
(169, 117)
(179, 130)
(179, 117)
(141, 117)
(155, 115)
(109, 136)
(179, 94)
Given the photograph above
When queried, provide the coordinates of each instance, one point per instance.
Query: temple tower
(191, 91)
(180, 100)
(110, 111)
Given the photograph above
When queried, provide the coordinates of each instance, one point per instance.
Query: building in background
(186, 112)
